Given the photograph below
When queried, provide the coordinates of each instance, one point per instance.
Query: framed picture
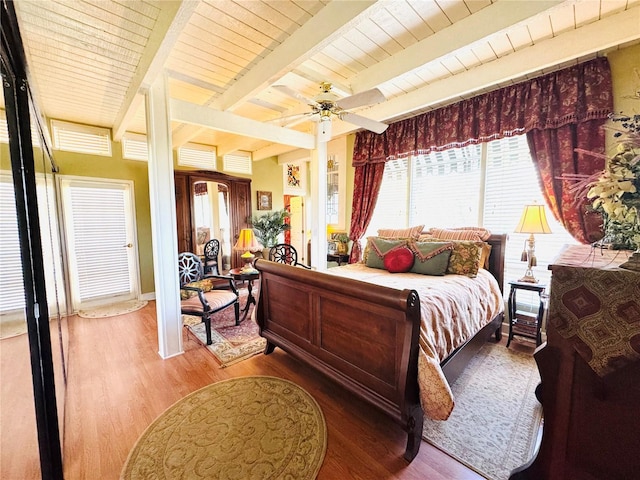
(294, 178)
(264, 200)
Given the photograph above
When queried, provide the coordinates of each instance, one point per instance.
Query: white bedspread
(453, 308)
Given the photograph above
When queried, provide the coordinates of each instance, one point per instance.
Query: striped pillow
(464, 233)
(411, 232)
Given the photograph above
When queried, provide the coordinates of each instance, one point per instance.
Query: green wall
(267, 177)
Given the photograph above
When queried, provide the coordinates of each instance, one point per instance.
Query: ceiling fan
(327, 104)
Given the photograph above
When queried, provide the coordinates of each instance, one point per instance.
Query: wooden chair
(205, 301)
(285, 253)
(211, 252)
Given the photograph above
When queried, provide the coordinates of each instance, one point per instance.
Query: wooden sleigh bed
(365, 337)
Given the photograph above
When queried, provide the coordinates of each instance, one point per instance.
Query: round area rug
(245, 428)
(113, 310)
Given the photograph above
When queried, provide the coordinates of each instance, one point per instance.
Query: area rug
(113, 310)
(494, 425)
(230, 343)
(244, 428)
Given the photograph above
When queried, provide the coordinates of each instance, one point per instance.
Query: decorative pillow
(425, 237)
(432, 258)
(466, 233)
(205, 285)
(484, 257)
(378, 247)
(411, 232)
(367, 247)
(398, 260)
(465, 258)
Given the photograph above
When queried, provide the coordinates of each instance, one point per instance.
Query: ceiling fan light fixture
(324, 129)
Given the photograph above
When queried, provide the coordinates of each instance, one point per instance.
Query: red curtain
(576, 100)
(287, 207)
(553, 153)
(367, 181)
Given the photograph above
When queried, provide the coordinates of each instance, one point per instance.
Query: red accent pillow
(398, 260)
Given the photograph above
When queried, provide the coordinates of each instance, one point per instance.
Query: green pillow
(432, 258)
(378, 247)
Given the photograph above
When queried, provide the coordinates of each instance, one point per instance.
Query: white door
(99, 227)
(297, 228)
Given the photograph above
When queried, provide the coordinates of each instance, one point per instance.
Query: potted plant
(343, 242)
(267, 227)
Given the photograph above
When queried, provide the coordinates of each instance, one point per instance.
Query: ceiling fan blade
(292, 93)
(368, 97)
(373, 125)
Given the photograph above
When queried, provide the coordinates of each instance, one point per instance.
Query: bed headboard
(498, 244)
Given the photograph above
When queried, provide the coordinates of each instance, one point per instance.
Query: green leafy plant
(267, 227)
(616, 193)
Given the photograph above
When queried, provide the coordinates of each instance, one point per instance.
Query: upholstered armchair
(197, 294)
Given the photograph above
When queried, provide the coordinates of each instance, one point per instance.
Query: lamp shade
(533, 220)
(247, 241)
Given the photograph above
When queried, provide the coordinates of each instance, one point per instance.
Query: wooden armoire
(239, 197)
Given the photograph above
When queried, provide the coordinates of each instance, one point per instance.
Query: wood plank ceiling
(91, 60)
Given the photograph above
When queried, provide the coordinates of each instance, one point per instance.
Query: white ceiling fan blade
(292, 93)
(373, 125)
(369, 97)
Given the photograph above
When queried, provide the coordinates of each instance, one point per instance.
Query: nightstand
(526, 324)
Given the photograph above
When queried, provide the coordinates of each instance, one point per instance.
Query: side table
(338, 257)
(249, 277)
(525, 324)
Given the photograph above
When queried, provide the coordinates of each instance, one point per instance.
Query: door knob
(129, 245)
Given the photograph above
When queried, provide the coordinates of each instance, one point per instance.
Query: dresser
(590, 371)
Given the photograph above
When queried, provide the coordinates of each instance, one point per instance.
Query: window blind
(12, 291)
(135, 147)
(73, 137)
(99, 237)
(238, 162)
(445, 188)
(198, 156)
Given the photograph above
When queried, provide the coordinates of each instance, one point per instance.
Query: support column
(163, 219)
(318, 175)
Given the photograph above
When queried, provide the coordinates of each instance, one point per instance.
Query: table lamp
(533, 220)
(247, 242)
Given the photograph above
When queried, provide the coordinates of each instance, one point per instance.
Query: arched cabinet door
(211, 205)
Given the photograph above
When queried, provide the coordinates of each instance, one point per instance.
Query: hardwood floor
(118, 385)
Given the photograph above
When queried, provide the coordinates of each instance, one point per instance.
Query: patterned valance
(570, 96)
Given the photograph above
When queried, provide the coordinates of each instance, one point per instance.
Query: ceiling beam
(329, 23)
(615, 30)
(571, 45)
(200, 116)
(487, 21)
(173, 17)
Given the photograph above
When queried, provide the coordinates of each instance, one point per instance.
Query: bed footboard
(363, 336)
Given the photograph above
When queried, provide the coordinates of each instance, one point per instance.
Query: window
(134, 147)
(12, 300)
(198, 156)
(486, 185)
(4, 131)
(73, 137)
(238, 162)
